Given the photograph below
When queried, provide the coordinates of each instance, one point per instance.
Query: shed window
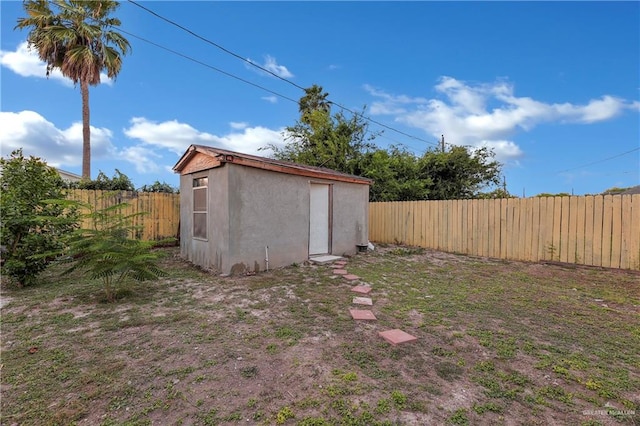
(200, 207)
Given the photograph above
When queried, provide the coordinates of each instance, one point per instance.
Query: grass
(498, 342)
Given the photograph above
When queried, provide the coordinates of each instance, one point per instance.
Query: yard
(498, 343)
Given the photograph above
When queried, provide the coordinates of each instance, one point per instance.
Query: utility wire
(600, 161)
(243, 80)
(206, 40)
(207, 65)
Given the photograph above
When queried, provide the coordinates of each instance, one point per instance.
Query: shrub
(109, 251)
(31, 228)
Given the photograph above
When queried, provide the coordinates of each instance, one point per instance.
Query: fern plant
(108, 250)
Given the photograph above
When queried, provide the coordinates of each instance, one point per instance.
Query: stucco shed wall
(250, 209)
(209, 252)
(272, 209)
(267, 209)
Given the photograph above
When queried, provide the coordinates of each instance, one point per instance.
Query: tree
(318, 139)
(460, 172)
(119, 182)
(396, 175)
(77, 37)
(31, 227)
(345, 144)
(158, 186)
(315, 99)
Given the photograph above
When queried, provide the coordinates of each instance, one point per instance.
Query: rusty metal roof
(226, 156)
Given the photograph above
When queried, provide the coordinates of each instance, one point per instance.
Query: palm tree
(78, 39)
(315, 99)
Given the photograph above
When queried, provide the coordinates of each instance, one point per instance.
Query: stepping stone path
(362, 314)
(395, 336)
(363, 301)
(361, 289)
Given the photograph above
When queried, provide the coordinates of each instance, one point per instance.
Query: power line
(600, 161)
(207, 65)
(206, 40)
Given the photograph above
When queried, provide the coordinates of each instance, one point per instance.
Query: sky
(552, 87)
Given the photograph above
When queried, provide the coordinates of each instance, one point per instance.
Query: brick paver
(396, 336)
(363, 301)
(362, 314)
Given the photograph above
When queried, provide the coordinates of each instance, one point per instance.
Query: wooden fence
(162, 218)
(591, 230)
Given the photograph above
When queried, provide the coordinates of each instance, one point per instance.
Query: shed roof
(222, 156)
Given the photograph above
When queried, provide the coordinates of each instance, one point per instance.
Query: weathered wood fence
(162, 218)
(590, 230)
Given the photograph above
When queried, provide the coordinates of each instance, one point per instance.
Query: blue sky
(552, 87)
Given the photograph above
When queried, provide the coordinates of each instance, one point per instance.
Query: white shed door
(319, 219)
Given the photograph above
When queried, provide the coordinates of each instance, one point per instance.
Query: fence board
(580, 229)
(616, 231)
(626, 259)
(634, 233)
(591, 230)
(607, 218)
(598, 210)
(162, 211)
(572, 246)
(588, 230)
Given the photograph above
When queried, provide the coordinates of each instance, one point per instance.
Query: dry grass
(499, 343)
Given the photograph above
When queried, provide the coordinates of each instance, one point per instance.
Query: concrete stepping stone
(325, 259)
(363, 301)
(361, 289)
(396, 336)
(362, 314)
(340, 272)
(351, 277)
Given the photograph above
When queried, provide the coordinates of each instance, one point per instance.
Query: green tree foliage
(315, 99)
(31, 227)
(396, 175)
(460, 173)
(158, 186)
(109, 251)
(318, 139)
(78, 38)
(119, 182)
(559, 194)
(345, 144)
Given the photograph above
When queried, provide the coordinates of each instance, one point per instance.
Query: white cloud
(280, 70)
(62, 147)
(238, 125)
(272, 65)
(505, 150)
(171, 135)
(142, 158)
(25, 62)
(463, 115)
(271, 99)
(177, 137)
(41, 138)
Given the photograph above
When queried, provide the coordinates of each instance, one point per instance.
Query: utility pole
(442, 144)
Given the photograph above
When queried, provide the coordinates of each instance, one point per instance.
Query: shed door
(319, 219)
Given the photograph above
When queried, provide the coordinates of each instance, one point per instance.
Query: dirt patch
(498, 342)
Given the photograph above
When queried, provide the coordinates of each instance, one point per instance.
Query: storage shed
(243, 213)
